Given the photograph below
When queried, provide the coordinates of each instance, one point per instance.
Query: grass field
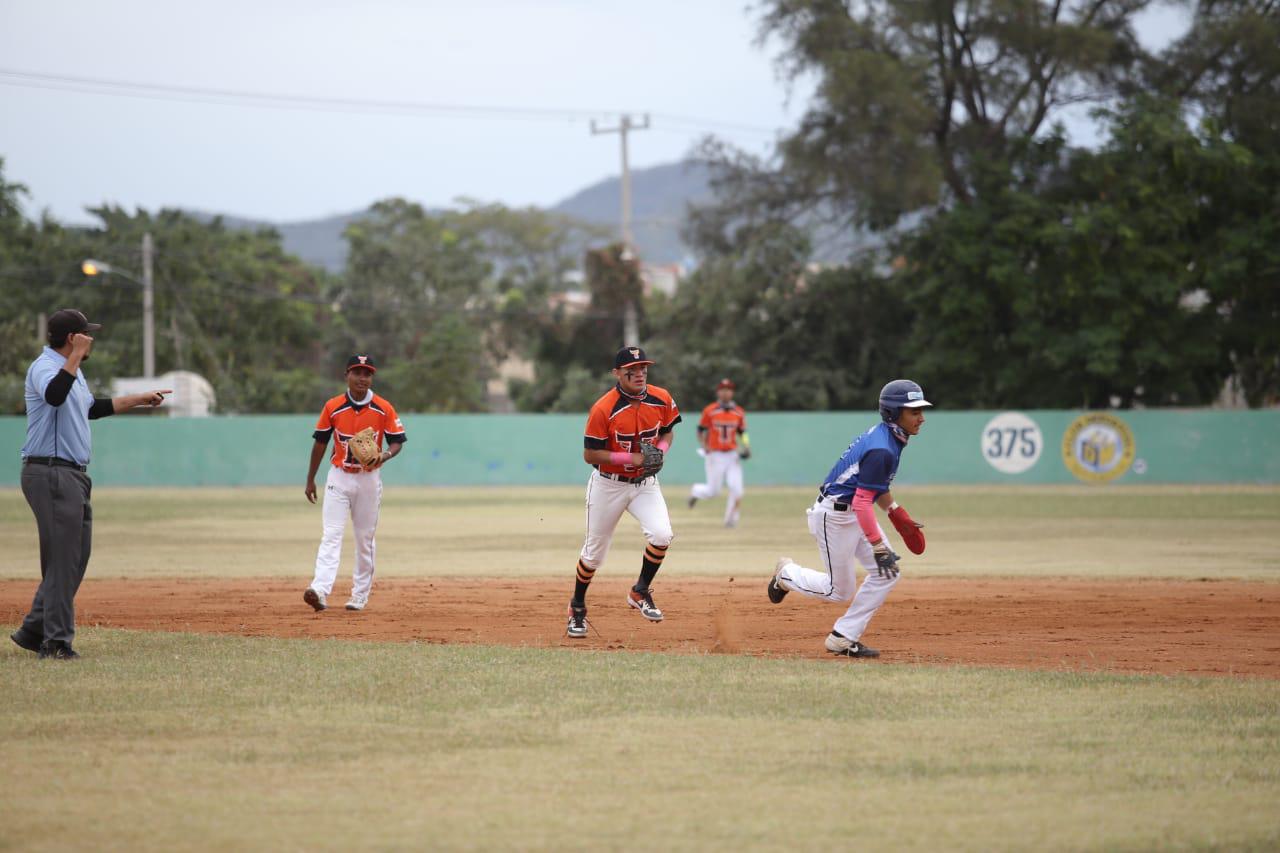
(177, 741)
(1217, 532)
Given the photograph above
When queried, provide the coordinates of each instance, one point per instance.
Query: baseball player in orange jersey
(722, 432)
(632, 411)
(350, 488)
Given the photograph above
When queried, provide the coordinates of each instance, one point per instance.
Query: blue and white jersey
(871, 462)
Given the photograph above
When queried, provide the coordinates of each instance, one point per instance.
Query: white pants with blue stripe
(843, 547)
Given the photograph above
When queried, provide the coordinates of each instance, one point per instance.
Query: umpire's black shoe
(26, 641)
(57, 650)
(839, 644)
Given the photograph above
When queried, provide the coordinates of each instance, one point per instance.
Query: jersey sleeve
(42, 372)
(671, 417)
(704, 423)
(392, 426)
(874, 470)
(596, 436)
(324, 426)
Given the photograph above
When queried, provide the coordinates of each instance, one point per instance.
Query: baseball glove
(653, 458)
(363, 447)
(909, 529)
(744, 452)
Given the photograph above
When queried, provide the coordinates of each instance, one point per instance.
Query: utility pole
(148, 310)
(630, 320)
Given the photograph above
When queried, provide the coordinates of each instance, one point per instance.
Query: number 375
(1004, 443)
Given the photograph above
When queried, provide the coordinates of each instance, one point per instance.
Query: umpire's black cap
(359, 360)
(628, 356)
(67, 322)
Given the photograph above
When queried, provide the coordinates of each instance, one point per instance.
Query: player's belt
(54, 460)
(622, 479)
(831, 503)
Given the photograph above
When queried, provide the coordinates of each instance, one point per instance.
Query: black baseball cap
(68, 321)
(360, 361)
(628, 356)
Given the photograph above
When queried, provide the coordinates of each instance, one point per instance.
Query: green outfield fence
(1146, 446)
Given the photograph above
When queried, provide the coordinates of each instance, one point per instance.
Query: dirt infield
(1155, 626)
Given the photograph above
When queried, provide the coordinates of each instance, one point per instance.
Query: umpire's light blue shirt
(61, 431)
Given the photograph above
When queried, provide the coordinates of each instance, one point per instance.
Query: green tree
(414, 297)
(792, 336)
(1078, 289)
(1227, 68)
(531, 253)
(919, 101)
(575, 345)
(230, 305)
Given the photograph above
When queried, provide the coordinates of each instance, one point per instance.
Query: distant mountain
(316, 241)
(659, 197)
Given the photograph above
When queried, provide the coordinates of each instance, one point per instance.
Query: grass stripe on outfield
(179, 741)
(1172, 531)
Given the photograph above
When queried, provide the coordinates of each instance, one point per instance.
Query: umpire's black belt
(622, 479)
(830, 503)
(54, 460)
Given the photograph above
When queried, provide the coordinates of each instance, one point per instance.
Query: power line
(240, 97)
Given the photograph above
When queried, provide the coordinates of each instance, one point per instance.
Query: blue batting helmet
(898, 395)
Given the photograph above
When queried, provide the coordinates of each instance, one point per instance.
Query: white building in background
(662, 278)
(192, 395)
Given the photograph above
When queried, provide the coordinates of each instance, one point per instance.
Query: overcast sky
(693, 64)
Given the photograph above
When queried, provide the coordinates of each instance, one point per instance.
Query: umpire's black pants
(59, 498)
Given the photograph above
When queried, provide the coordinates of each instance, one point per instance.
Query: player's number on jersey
(1004, 443)
(726, 432)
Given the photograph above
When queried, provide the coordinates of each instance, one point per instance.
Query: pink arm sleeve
(864, 507)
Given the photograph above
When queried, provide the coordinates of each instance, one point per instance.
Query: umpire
(55, 460)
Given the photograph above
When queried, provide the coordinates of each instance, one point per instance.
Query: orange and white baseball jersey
(620, 422)
(723, 425)
(342, 418)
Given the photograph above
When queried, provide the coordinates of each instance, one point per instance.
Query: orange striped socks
(585, 574)
(653, 557)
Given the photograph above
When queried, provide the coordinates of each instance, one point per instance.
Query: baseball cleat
(315, 598)
(643, 601)
(25, 641)
(577, 622)
(777, 591)
(355, 603)
(838, 644)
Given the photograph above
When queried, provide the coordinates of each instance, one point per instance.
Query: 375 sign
(1011, 442)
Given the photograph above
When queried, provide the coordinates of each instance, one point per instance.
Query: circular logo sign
(1011, 442)
(1098, 447)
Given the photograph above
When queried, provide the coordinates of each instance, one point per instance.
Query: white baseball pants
(843, 547)
(724, 467)
(360, 496)
(608, 499)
